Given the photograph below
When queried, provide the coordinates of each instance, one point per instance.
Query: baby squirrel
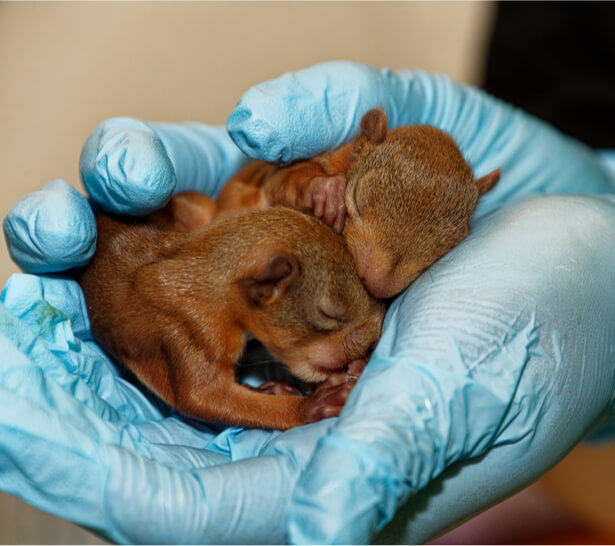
(177, 306)
(402, 199)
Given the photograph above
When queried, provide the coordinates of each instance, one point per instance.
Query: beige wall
(64, 67)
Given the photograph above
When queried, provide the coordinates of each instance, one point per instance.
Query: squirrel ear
(374, 125)
(487, 182)
(267, 287)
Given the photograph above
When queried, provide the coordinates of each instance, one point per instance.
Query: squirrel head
(410, 197)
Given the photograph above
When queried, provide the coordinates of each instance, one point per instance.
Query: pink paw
(355, 368)
(328, 398)
(326, 197)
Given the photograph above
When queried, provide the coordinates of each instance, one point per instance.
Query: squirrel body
(401, 198)
(177, 307)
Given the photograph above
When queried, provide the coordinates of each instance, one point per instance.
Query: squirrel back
(177, 308)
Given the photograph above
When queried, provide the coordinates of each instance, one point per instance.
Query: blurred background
(64, 67)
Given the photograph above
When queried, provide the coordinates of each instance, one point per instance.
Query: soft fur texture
(401, 198)
(177, 308)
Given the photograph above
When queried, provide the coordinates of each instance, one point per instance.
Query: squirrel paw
(326, 198)
(328, 399)
(355, 369)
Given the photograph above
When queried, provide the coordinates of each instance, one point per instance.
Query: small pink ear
(374, 125)
(487, 182)
(265, 288)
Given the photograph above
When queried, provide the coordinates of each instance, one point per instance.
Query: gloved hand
(480, 359)
(485, 386)
(76, 438)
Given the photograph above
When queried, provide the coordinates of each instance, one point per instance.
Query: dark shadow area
(556, 60)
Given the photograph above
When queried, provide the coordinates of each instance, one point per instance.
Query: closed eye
(333, 315)
(329, 316)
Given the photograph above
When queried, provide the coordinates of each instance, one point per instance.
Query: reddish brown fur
(303, 185)
(402, 198)
(177, 308)
(409, 200)
(185, 212)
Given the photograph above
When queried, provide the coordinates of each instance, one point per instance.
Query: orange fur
(176, 309)
(402, 199)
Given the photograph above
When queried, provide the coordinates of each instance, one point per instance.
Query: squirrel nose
(377, 285)
(372, 271)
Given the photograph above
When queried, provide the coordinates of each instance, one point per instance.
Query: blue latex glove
(491, 365)
(515, 359)
(76, 438)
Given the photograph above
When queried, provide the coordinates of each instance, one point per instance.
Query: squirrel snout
(376, 285)
(377, 280)
(385, 276)
(374, 267)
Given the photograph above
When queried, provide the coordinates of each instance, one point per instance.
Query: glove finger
(464, 368)
(149, 503)
(52, 229)
(132, 167)
(125, 168)
(204, 157)
(306, 112)
(303, 113)
(245, 502)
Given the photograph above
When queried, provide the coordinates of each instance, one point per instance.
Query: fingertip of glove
(298, 115)
(52, 229)
(256, 137)
(125, 167)
(238, 127)
(303, 113)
